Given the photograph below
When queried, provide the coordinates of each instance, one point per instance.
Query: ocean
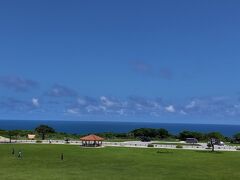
(84, 127)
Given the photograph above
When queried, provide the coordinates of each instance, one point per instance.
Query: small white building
(31, 136)
(3, 139)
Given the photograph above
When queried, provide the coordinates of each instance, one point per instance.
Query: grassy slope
(43, 162)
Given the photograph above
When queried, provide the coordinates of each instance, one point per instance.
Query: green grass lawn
(43, 162)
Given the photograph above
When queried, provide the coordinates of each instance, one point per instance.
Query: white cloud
(183, 112)
(106, 101)
(61, 91)
(139, 107)
(121, 112)
(35, 102)
(81, 101)
(191, 105)
(103, 108)
(156, 105)
(155, 114)
(73, 111)
(92, 108)
(170, 109)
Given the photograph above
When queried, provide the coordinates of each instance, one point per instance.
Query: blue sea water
(84, 127)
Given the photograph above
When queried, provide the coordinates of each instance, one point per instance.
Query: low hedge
(179, 146)
(150, 145)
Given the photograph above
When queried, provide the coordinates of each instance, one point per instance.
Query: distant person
(20, 154)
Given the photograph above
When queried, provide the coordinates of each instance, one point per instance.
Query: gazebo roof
(92, 137)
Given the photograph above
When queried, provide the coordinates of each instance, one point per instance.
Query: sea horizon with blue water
(86, 127)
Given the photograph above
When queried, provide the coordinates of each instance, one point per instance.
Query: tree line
(44, 131)
(163, 134)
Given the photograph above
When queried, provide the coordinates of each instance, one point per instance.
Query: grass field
(43, 162)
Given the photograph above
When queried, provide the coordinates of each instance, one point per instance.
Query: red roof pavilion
(92, 140)
(92, 137)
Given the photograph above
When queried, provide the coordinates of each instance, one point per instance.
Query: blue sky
(161, 61)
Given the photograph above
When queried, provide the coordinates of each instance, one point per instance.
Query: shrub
(179, 146)
(209, 145)
(238, 149)
(150, 145)
(38, 141)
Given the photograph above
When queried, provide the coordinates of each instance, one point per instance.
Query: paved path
(139, 144)
(131, 144)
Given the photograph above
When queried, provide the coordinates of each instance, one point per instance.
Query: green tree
(216, 135)
(236, 138)
(211, 144)
(43, 130)
(163, 133)
(145, 132)
(191, 134)
(151, 133)
(11, 134)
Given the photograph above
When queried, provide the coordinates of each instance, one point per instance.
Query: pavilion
(92, 140)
